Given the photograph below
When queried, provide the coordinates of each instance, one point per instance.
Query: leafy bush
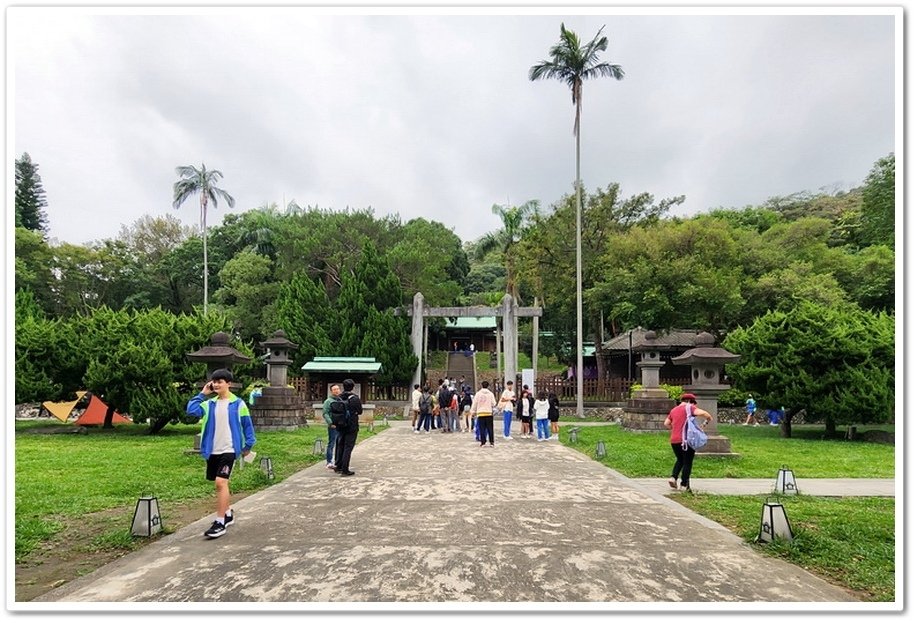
(674, 391)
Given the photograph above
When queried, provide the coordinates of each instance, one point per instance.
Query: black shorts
(220, 465)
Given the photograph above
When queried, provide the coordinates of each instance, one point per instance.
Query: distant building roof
(673, 339)
(364, 365)
(480, 324)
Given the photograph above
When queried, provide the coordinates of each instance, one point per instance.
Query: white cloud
(434, 115)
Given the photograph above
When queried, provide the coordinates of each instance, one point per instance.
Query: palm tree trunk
(580, 410)
(203, 226)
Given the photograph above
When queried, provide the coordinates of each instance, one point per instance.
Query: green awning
(364, 365)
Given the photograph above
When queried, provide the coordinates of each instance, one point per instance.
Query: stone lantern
(278, 407)
(706, 362)
(277, 358)
(219, 355)
(649, 406)
(649, 364)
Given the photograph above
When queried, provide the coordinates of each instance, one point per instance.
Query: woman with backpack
(425, 403)
(677, 422)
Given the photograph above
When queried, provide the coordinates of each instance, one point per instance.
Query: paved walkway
(435, 518)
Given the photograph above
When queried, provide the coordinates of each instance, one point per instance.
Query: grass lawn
(62, 477)
(760, 448)
(848, 541)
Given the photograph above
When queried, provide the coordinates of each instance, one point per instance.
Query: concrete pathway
(435, 518)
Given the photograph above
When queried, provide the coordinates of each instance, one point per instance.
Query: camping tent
(95, 414)
(61, 410)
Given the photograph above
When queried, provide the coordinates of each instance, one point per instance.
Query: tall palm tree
(515, 221)
(202, 181)
(573, 64)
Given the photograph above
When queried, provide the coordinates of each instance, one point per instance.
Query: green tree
(34, 268)
(201, 182)
(429, 258)
(878, 203)
(247, 292)
(30, 196)
(837, 363)
(515, 221)
(573, 63)
(370, 328)
(303, 311)
(135, 360)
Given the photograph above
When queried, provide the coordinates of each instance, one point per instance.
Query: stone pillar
(510, 337)
(535, 333)
(416, 336)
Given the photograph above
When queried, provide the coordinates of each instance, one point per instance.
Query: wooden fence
(594, 390)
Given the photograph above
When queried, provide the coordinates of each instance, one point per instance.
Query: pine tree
(367, 323)
(303, 311)
(30, 196)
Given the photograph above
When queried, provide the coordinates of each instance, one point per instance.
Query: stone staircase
(463, 364)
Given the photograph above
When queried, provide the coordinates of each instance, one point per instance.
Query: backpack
(340, 413)
(426, 403)
(693, 436)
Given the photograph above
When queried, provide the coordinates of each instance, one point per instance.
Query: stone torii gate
(508, 309)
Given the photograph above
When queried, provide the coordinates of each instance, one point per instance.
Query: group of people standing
(453, 409)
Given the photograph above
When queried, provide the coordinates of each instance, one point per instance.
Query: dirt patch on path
(73, 552)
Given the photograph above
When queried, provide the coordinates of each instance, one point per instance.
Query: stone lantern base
(717, 446)
(647, 410)
(278, 408)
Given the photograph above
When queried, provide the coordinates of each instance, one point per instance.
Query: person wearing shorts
(226, 432)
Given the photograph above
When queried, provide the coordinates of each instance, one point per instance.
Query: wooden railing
(595, 390)
(316, 391)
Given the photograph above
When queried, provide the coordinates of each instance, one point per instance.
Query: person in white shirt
(415, 405)
(507, 406)
(541, 412)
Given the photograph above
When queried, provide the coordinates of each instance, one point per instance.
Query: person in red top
(676, 419)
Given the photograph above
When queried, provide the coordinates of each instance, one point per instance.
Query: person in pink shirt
(677, 418)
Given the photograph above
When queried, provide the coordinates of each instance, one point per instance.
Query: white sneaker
(330, 466)
(509, 437)
(416, 432)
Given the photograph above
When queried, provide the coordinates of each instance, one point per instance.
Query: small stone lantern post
(649, 364)
(706, 362)
(278, 407)
(649, 406)
(219, 355)
(277, 359)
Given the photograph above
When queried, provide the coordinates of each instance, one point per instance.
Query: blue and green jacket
(239, 422)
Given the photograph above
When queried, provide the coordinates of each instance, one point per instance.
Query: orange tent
(61, 410)
(95, 414)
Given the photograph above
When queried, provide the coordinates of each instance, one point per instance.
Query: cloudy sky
(433, 115)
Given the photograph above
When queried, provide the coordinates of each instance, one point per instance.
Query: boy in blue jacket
(226, 431)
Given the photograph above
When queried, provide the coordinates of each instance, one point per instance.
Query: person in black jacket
(524, 410)
(346, 437)
(553, 414)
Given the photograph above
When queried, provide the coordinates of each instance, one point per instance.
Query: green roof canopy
(365, 365)
(471, 323)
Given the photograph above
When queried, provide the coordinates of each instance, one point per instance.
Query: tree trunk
(785, 430)
(830, 427)
(109, 417)
(203, 227)
(157, 425)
